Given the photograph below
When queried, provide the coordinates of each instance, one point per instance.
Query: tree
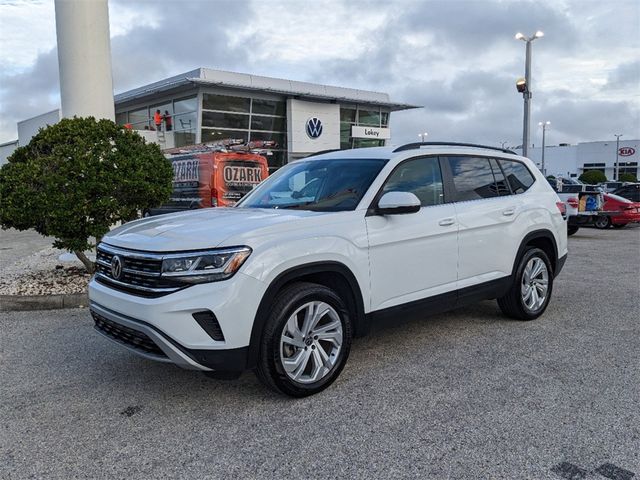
(77, 178)
(592, 177)
(627, 177)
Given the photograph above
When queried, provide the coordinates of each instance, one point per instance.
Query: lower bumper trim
(173, 353)
(233, 360)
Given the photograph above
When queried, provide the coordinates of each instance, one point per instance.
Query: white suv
(282, 282)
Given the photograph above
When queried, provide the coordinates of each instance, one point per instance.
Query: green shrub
(77, 178)
(627, 177)
(592, 177)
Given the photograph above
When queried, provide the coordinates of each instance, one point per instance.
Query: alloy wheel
(311, 342)
(535, 284)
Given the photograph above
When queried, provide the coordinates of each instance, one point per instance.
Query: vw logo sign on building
(314, 127)
(116, 267)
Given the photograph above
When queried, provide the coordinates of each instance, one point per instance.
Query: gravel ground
(31, 266)
(468, 394)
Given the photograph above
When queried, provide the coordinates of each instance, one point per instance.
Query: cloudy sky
(457, 58)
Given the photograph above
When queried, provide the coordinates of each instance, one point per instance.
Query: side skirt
(442, 303)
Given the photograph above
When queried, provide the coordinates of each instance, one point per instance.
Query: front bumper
(149, 342)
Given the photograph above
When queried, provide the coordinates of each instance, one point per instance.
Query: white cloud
(456, 57)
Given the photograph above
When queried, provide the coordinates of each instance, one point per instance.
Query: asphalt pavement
(468, 394)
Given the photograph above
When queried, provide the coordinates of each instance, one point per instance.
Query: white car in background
(282, 282)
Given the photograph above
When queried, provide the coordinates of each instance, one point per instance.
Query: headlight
(202, 267)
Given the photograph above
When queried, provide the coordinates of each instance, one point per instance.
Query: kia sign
(626, 151)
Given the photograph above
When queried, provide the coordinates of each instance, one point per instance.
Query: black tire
(572, 230)
(270, 369)
(512, 304)
(619, 225)
(602, 222)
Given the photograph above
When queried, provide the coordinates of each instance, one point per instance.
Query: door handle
(445, 222)
(508, 212)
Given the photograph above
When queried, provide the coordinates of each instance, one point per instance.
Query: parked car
(308, 259)
(212, 179)
(630, 191)
(609, 187)
(621, 212)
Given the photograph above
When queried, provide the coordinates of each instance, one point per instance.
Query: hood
(199, 229)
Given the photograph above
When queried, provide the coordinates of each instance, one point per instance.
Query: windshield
(322, 185)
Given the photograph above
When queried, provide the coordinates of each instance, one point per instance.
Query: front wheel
(602, 222)
(306, 340)
(571, 230)
(530, 292)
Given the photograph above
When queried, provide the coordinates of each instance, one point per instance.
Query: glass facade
(210, 116)
(180, 115)
(367, 117)
(248, 119)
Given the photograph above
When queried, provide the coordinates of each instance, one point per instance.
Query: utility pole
(544, 126)
(616, 166)
(525, 89)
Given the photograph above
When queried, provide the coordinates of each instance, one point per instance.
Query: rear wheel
(530, 292)
(619, 225)
(306, 340)
(602, 222)
(572, 229)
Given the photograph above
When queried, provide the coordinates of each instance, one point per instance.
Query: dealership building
(566, 160)
(206, 105)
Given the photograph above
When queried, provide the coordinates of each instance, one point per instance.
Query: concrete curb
(24, 303)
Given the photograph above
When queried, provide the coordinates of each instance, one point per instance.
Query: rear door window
(518, 176)
(473, 178)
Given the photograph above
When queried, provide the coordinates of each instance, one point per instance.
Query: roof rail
(415, 145)
(322, 152)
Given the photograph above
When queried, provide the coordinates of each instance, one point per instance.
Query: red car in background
(622, 211)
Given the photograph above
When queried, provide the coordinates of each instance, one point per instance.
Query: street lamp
(616, 167)
(544, 126)
(525, 88)
(422, 136)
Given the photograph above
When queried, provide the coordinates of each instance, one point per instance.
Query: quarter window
(420, 176)
(518, 176)
(473, 178)
(501, 182)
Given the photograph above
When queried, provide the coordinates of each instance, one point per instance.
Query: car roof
(399, 151)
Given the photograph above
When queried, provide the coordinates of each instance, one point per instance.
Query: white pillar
(84, 58)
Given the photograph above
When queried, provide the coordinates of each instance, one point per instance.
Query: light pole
(544, 126)
(526, 88)
(616, 167)
(422, 136)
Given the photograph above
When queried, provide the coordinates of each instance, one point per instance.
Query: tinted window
(269, 107)
(225, 120)
(225, 103)
(501, 182)
(472, 178)
(421, 177)
(518, 175)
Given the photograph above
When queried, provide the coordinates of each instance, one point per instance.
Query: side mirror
(394, 203)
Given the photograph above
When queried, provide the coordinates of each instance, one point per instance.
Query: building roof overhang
(242, 81)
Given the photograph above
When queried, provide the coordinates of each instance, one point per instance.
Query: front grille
(128, 336)
(140, 272)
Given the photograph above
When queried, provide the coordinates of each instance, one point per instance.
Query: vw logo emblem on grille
(314, 127)
(116, 267)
